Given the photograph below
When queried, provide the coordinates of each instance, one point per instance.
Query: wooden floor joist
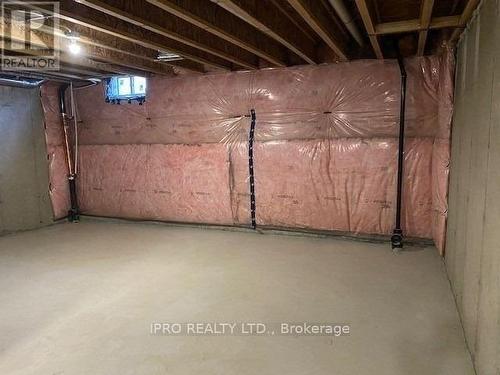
(464, 18)
(91, 18)
(44, 36)
(272, 22)
(100, 74)
(149, 17)
(407, 26)
(170, 36)
(320, 22)
(210, 17)
(85, 63)
(100, 39)
(370, 27)
(118, 58)
(425, 21)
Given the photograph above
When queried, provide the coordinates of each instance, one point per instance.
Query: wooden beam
(422, 39)
(298, 22)
(317, 18)
(426, 13)
(271, 21)
(86, 72)
(69, 76)
(121, 70)
(370, 28)
(104, 66)
(82, 15)
(149, 17)
(443, 22)
(103, 40)
(415, 25)
(96, 38)
(468, 11)
(111, 56)
(425, 21)
(397, 27)
(208, 16)
(464, 18)
(118, 58)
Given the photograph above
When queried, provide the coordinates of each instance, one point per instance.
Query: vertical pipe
(347, 19)
(397, 235)
(73, 213)
(250, 167)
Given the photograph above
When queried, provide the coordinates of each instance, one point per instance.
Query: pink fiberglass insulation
(344, 185)
(58, 169)
(441, 152)
(186, 183)
(325, 148)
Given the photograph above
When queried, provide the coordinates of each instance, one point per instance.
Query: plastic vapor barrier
(58, 168)
(325, 149)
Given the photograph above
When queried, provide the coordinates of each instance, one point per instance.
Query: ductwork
(21, 82)
(346, 18)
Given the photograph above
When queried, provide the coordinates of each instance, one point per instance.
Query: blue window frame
(128, 88)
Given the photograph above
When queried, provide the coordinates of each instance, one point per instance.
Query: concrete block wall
(473, 239)
(24, 182)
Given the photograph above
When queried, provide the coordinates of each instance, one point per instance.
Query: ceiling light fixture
(73, 46)
(167, 56)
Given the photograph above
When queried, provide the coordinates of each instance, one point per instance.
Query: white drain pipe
(347, 19)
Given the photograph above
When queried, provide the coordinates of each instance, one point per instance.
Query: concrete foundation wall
(24, 198)
(473, 240)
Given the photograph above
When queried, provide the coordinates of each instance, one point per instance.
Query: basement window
(126, 88)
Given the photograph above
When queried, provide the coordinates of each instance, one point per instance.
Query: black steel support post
(250, 167)
(397, 234)
(73, 213)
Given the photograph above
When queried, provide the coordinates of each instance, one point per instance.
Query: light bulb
(74, 47)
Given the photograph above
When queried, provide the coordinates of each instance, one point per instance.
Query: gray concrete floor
(80, 298)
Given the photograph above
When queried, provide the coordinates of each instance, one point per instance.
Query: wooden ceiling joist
(91, 18)
(118, 58)
(416, 25)
(318, 19)
(298, 22)
(464, 18)
(84, 63)
(83, 72)
(160, 36)
(210, 17)
(111, 68)
(103, 40)
(425, 21)
(68, 76)
(370, 27)
(109, 56)
(271, 21)
(149, 17)
(89, 52)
